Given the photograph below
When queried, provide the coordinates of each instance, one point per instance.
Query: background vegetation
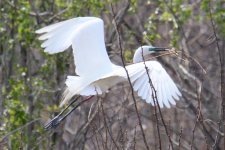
(31, 81)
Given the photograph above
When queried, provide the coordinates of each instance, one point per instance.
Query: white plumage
(95, 72)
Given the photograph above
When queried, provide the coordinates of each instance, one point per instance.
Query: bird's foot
(53, 123)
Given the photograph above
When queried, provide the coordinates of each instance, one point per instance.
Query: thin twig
(18, 129)
(192, 58)
(181, 130)
(135, 130)
(106, 126)
(222, 75)
(156, 103)
(155, 99)
(132, 90)
(199, 114)
(157, 126)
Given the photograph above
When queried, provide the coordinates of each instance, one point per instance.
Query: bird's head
(147, 50)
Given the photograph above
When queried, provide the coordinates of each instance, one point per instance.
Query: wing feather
(166, 89)
(51, 27)
(157, 86)
(172, 92)
(136, 76)
(146, 90)
(142, 87)
(161, 95)
(86, 35)
(167, 94)
(59, 36)
(138, 84)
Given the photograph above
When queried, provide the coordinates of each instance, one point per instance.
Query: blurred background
(32, 81)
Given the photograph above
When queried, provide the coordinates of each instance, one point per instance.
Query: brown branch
(135, 136)
(199, 114)
(107, 128)
(179, 140)
(20, 128)
(132, 90)
(119, 19)
(205, 131)
(156, 103)
(179, 26)
(157, 126)
(222, 78)
(155, 100)
(153, 97)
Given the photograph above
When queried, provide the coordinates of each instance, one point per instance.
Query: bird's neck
(140, 54)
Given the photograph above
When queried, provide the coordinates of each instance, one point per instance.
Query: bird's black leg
(56, 120)
(75, 107)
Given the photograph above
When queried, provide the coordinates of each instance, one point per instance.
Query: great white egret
(95, 72)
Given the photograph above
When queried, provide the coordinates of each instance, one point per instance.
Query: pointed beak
(162, 49)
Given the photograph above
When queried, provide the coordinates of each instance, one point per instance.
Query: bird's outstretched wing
(166, 90)
(86, 35)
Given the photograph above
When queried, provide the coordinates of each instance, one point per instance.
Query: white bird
(95, 72)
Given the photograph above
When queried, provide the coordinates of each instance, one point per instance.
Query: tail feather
(73, 86)
(78, 86)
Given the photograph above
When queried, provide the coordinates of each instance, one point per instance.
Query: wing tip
(66, 96)
(40, 31)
